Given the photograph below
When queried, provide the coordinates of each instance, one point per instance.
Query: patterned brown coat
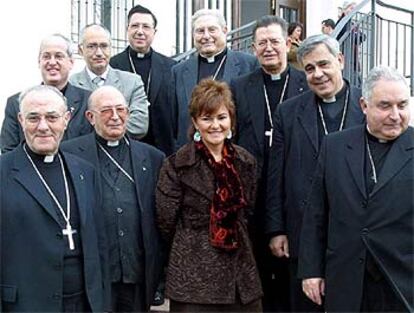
(198, 272)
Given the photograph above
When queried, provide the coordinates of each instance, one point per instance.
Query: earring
(229, 134)
(197, 136)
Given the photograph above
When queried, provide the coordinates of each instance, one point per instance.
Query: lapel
(112, 79)
(355, 157)
(231, 66)
(189, 77)
(257, 105)
(308, 119)
(27, 177)
(78, 182)
(84, 80)
(73, 98)
(400, 153)
(156, 76)
(195, 173)
(296, 83)
(140, 170)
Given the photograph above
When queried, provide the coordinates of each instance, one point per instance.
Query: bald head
(108, 112)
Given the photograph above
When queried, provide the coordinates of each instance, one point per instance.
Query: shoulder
(163, 58)
(245, 78)
(296, 73)
(74, 160)
(119, 57)
(13, 102)
(290, 104)
(73, 90)
(124, 75)
(7, 159)
(242, 56)
(244, 156)
(141, 147)
(345, 135)
(77, 141)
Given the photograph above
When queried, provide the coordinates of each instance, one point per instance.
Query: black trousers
(378, 296)
(128, 298)
(75, 303)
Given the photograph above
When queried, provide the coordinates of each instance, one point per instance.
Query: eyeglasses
(108, 112)
(93, 47)
(274, 43)
(145, 27)
(50, 118)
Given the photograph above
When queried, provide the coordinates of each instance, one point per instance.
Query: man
(52, 236)
(154, 69)
(95, 47)
(55, 63)
(301, 124)
(128, 175)
(328, 26)
(213, 59)
(357, 242)
(257, 95)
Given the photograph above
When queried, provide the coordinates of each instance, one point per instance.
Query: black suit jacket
(160, 110)
(342, 223)
(32, 245)
(77, 100)
(251, 109)
(293, 158)
(146, 163)
(184, 79)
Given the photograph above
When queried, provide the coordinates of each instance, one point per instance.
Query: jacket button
(361, 260)
(119, 210)
(121, 233)
(364, 204)
(56, 296)
(365, 231)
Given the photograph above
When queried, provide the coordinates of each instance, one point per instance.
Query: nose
(215, 123)
(395, 113)
(206, 34)
(115, 114)
(318, 72)
(43, 125)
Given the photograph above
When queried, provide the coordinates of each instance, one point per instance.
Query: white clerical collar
(380, 140)
(329, 100)
(112, 143)
(92, 75)
(213, 57)
(275, 76)
(49, 158)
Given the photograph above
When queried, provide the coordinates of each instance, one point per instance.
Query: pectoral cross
(68, 231)
(269, 133)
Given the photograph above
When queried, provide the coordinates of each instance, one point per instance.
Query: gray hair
(381, 73)
(208, 12)
(68, 43)
(267, 20)
(83, 31)
(42, 89)
(312, 42)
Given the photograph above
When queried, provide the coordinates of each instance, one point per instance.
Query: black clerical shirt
(73, 281)
(142, 65)
(209, 69)
(122, 214)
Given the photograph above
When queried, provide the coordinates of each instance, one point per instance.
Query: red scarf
(228, 198)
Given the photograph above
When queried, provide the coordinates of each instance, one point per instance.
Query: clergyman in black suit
(301, 123)
(55, 63)
(357, 241)
(212, 60)
(128, 172)
(155, 71)
(257, 95)
(53, 246)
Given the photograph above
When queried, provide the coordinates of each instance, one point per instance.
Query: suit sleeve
(138, 108)
(275, 215)
(10, 131)
(315, 223)
(172, 99)
(168, 199)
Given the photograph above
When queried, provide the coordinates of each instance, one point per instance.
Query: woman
(295, 30)
(204, 194)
